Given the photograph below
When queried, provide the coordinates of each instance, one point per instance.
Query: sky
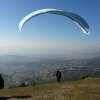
(48, 31)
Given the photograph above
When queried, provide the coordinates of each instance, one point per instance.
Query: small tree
(22, 85)
(83, 76)
(34, 84)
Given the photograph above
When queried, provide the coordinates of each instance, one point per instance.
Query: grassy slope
(88, 89)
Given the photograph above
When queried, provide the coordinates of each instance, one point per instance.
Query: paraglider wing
(77, 19)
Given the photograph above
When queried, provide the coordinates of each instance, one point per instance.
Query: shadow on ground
(19, 97)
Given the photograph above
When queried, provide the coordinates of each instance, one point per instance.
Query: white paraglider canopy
(77, 19)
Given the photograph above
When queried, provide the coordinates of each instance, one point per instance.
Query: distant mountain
(94, 62)
(27, 51)
(49, 52)
(17, 58)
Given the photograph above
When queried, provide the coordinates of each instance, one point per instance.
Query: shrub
(22, 85)
(83, 76)
(34, 84)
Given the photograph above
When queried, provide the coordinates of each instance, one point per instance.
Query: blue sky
(48, 30)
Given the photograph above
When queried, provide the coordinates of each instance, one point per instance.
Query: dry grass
(88, 89)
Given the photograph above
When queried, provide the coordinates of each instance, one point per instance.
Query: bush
(83, 76)
(22, 85)
(34, 84)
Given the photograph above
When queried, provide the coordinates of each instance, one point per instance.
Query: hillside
(87, 89)
(17, 69)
